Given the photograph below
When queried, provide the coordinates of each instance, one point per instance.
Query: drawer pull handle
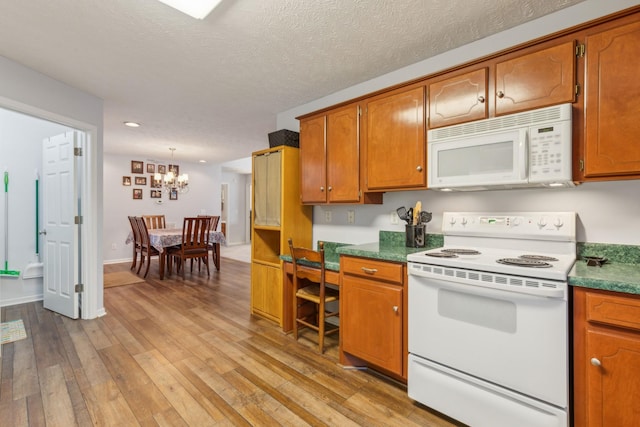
(595, 362)
(369, 270)
(395, 308)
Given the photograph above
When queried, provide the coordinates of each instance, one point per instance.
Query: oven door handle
(480, 279)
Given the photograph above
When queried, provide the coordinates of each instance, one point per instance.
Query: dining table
(162, 238)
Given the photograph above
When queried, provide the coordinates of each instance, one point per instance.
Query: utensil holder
(416, 235)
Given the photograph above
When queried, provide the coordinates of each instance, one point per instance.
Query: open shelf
(266, 245)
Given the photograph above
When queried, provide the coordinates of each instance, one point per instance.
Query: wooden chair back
(146, 250)
(309, 266)
(154, 222)
(136, 240)
(195, 243)
(195, 233)
(215, 219)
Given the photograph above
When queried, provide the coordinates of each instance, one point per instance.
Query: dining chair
(146, 250)
(136, 240)
(154, 221)
(213, 246)
(311, 295)
(195, 244)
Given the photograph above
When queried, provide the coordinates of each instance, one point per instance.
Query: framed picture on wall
(137, 167)
(155, 183)
(156, 194)
(141, 180)
(137, 194)
(126, 180)
(173, 195)
(151, 168)
(162, 169)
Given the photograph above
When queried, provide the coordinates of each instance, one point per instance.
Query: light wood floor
(185, 353)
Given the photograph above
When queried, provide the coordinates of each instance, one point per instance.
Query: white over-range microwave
(528, 149)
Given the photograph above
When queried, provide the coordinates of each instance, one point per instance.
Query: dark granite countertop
(621, 272)
(390, 247)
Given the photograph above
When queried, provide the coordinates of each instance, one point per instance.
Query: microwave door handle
(523, 158)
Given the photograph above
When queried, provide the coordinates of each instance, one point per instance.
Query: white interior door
(60, 233)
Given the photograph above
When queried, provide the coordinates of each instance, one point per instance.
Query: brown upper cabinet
(393, 138)
(537, 79)
(526, 80)
(612, 100)
(459, 99)
(330, 157)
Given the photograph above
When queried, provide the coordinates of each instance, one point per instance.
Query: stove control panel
(534, 225)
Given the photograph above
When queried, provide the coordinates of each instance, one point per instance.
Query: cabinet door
(612, 102)
(458, 99)
(343, 155)
(371, 322)
(313, 170)
(537, 79)
(612, 387)
(267, 194)
(266, 291)
(395, 142)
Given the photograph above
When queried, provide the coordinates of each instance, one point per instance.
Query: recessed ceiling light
(203, 161)
(198, 9)
(132, 124)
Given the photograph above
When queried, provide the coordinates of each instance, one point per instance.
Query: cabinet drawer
(614, 310)
(378, 270)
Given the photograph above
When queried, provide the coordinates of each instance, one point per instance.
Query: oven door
(517, 341)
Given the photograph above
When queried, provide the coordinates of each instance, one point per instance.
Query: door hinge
(581, 165)
(77, 151)
(577, 90)
(77, 220)
(359, 110)
(580, 50)
(79, 288)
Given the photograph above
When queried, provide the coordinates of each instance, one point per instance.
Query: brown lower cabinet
(606, 358)
(373, 317)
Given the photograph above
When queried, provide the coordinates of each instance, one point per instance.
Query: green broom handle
(37, 222)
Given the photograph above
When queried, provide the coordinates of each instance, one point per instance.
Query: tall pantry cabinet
(277, 215)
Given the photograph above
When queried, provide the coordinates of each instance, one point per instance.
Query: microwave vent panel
(513, 121)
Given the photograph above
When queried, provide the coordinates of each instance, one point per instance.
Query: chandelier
(173, 180)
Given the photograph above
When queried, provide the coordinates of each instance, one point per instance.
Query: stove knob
(464, 221)
(452, 220)
(558, 223)
(542, 223)
(516, 220)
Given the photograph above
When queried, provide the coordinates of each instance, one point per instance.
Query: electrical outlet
(351, 217)
(394, 217)
(327, 216)
(114, 246)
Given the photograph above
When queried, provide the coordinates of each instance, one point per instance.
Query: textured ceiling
(212, 88)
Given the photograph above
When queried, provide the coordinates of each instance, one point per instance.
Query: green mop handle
(6, 226)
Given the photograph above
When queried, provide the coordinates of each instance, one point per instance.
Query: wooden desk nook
(332, 277)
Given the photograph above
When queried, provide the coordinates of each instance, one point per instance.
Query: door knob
(43, 232)
(500, 94)
(395, 308)
(595, 362)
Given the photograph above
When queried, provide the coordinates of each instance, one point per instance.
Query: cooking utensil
(402, 213)
(410, 216)
(425, 217)
(416, 213)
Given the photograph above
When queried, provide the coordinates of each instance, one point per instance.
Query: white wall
(26, 90)
(203, 198)
(21, 139)
(237, 216)
(608, 211)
